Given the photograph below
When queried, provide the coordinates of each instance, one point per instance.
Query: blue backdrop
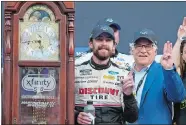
(162, 17)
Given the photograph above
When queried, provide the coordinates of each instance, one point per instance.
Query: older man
(156, 85)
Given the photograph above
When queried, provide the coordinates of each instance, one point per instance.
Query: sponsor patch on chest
(85, 72)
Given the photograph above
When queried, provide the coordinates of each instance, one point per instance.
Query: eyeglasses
(147, 47)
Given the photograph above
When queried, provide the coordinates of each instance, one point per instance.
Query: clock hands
(39, 37)
(40, 46)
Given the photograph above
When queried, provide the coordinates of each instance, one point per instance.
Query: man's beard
(101, 57)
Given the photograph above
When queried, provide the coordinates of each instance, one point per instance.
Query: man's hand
(128, 84)
(83, 118)
(166, 59)
(182, 29)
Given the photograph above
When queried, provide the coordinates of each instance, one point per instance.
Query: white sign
(38, 82)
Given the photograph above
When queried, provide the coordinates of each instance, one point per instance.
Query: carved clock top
(13, 6)
(39, 13)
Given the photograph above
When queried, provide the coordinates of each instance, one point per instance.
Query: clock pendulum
(39, 107)
(39, 110)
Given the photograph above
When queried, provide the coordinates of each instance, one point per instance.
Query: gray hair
(131, 45)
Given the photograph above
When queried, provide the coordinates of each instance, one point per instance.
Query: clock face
(39, 38)
(39, 41)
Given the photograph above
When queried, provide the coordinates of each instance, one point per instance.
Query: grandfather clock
(38, 85)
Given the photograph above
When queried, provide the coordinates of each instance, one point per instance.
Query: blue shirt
(139, 76)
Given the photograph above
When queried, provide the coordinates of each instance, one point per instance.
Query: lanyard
(141, 81)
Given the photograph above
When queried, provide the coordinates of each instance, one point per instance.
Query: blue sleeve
(173, 86)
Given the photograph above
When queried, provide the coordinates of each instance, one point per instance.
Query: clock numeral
(46, 29)
(32, 52)
(26, 48)
(25, 34)
(51, 49)
(46, 53)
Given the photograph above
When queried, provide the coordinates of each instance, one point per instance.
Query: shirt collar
(98, 66)
(142, 70)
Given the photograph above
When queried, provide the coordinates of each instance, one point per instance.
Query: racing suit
(101, 84)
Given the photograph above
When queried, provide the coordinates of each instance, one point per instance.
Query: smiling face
(144, 53)
(102, 46)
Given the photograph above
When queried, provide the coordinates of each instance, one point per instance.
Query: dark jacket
(180, 108)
